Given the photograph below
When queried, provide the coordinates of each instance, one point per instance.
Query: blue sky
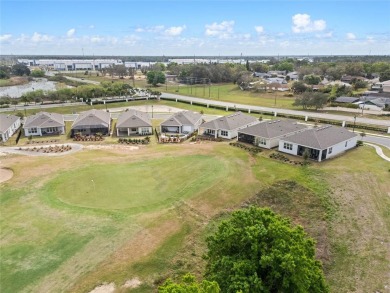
(214, 27)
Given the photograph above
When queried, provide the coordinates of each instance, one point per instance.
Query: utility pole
(209, 87)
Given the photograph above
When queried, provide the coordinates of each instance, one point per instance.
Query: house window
(288, 146)
(33, 130)
(209, 131)
(145, 131)
(330, 150)
(224, 133)
(346, 143)
(263, 141)
(134, 129)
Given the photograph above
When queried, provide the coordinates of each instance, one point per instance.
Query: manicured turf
(150, 209)
(143, 184)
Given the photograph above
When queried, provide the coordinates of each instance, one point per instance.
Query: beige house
(133, 122)
(44, 123)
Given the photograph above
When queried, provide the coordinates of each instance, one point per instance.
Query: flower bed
(50, 149)
(253, 150)
(283, 158)
(145, 140)
(42, 141)
(96, 137)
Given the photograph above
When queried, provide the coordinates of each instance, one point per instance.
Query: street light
(354, 121)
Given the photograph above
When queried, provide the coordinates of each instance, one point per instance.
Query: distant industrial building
(71, 64)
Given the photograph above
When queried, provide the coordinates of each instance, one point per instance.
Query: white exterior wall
(187, 128)
(140, 129)
(294, 150)
(340, 147)
(11, 130)
(28, 133)
(230, 134)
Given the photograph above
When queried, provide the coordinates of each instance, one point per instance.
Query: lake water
(17, 91)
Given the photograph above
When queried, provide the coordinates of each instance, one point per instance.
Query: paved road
(378, 140)
(82, 80)
(31, 107)
(277, 110)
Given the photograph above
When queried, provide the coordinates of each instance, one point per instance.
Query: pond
(17, 91)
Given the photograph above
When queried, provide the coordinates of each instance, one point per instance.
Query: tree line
(82, 92)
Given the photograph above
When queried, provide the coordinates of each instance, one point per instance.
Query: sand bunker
(5, 174)
(111, 147)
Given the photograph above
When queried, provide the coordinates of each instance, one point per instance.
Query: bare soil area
(5, 174)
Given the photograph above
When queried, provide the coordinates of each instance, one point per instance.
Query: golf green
(136, 185)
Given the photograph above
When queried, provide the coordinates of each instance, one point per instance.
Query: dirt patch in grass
(5, 174)
(302, 206)
(105, 288)
(360, 234)
(140, 247)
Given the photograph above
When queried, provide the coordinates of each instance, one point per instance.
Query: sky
(200, 28)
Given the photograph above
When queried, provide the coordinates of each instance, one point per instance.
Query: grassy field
(13, 81)
(148, 210)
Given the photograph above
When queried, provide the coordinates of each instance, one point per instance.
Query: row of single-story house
(288, 136)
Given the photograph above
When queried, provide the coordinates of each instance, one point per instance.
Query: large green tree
(256, 250)
(20, 70)
(155, 77)
(312, 79)
(298, 87)
(189, 285)
(316, 100)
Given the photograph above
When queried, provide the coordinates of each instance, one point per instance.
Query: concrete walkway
(379, 151)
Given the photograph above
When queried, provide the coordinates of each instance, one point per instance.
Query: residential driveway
(15, 150)
(277, 110)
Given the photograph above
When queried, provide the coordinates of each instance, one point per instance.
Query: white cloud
(70, 32)
(325, 35)
(150, 29)
(259, 29)
(174, 30)
(37, 37)
(350, 36)
(5, 37)
(222, 30)
(91, 26)
(96, 39)
(302, 23)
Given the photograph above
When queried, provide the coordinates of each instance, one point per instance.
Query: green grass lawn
(119, 186)
(147, 212)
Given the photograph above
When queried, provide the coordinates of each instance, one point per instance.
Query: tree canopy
(315, 100)
(189, 285)
(155, 77)
(256, 250)
(20, 70)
